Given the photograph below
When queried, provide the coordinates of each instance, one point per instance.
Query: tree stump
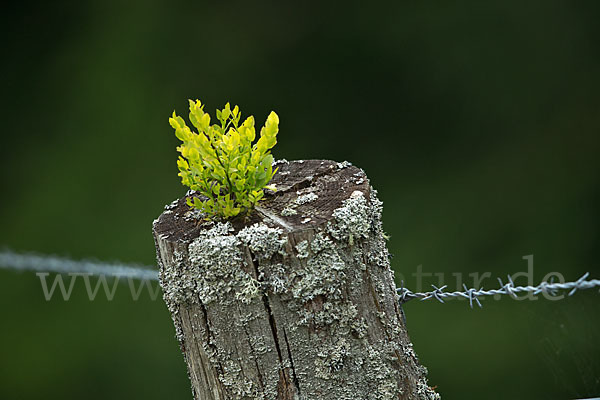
(296, 300)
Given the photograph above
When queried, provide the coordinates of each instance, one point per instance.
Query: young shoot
(221, 163)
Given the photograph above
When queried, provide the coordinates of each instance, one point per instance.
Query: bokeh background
(478, 122)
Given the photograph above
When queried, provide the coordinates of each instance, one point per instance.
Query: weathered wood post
(296, 301)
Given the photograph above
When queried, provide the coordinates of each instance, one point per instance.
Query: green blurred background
(478, 122)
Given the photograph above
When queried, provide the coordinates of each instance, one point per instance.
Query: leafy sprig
(220, 161)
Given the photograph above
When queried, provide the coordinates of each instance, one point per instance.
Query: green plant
(220, 161)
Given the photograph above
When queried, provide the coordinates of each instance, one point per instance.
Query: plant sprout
(221, 163)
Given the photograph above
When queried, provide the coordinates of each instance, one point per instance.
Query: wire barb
(551, 288)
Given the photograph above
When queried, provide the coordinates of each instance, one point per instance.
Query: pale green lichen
(344, 318)
(322, 275)
(378, 254)
(262, 240)
(214, 265)
(236, 383)
(331, 360)
(216, 257)
(425, 392)
(174, 294)
(353, 220)
(249, 289)
(348, 369)
(321, 242)
(302, 250)
(344, 164)
(306, 198)
(288, 212)
(276, 280)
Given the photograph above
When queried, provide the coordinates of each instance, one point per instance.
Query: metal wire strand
(34, 262)
(550, 288)
(45, 263)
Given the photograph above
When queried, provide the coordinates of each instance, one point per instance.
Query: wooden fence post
(295, 301)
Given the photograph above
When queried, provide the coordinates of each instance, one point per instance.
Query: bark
(296, 300)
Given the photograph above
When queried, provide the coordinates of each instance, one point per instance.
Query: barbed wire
(45, 263)
(550, 288)
(35, 262)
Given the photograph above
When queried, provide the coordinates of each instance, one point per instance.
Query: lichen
(425, 392)
(211, 270)
(376, 212)
(378, 254)
(172, 205)
(216, 257)
(177, 281)
(238, 385)
(321, 242)
(306, 198)
(288, 212)
(347, 369)
(280, 161)
(352, 220)
(213, 266)
(378, 369)
(276, 279)
(262, 240)
(332, 359)
(249, 289)
(323, 275)
(302, 249)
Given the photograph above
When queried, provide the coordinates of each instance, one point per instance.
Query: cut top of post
(308, 192)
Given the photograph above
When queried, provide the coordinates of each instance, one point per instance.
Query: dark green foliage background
(478, 122)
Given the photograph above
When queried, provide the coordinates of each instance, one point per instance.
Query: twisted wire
(551, 288)
(44, 263)
(34, 262)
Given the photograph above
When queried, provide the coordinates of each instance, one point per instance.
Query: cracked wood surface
(304, 309)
